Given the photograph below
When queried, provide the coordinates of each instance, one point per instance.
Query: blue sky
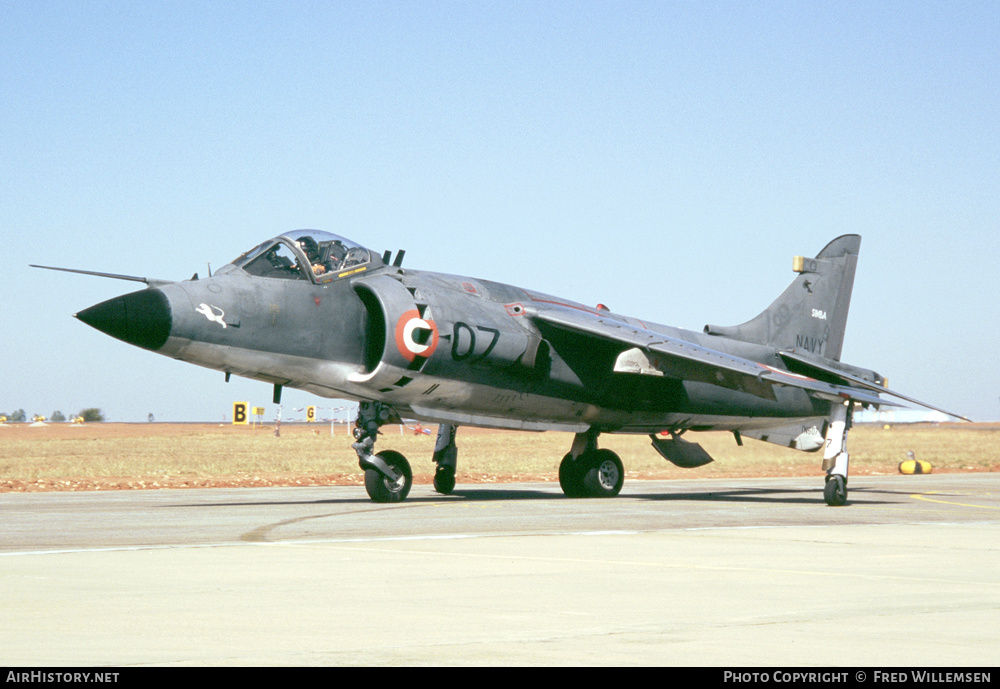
(665, 158)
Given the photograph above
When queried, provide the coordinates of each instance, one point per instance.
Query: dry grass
(60, 456)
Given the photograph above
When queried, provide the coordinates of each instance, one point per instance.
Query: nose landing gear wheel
(381, 488)
(835, 490)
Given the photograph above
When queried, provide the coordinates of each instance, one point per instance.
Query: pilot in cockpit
(311, 249)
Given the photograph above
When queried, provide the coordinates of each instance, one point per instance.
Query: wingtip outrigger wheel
(835, 490)
(836, 458)
(446, 458)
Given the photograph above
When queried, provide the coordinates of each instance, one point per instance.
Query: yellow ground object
(912, 465)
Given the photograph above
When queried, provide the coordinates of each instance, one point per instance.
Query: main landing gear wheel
(571, 476)
(605, 475)
(381, 488)
(835, 490)
(594, 474)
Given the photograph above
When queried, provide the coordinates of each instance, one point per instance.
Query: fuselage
(315, 311)
(440, 348)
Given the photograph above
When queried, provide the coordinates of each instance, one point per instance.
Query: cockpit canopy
(308, 255)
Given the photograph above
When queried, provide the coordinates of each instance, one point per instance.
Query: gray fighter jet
(315, 311)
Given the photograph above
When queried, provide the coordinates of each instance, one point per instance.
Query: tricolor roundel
(416, 336)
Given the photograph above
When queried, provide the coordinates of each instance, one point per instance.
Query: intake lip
(140, 318)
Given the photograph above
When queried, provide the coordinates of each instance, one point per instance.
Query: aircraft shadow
(492, 494)
(762, 495)
(456, 496)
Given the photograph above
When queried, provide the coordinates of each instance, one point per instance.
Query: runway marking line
(923, 497)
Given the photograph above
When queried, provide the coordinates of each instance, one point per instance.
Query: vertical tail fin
(811, 314)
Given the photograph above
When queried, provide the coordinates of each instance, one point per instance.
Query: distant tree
(19, 416)
(92, 415)
(57, 416)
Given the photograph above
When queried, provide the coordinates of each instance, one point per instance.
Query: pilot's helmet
(309, 246)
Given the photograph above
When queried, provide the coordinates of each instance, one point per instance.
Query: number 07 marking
(463, 341)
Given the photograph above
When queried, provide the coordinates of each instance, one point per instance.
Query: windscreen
(306, 254)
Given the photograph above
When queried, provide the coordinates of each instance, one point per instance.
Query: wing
(806, 362)
(649, 352)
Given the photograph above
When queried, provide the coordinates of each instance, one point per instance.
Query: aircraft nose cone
(140, 318)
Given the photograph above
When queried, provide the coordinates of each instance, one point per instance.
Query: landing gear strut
(835, 457)
(590, 472)
(388, 477)
(446, 458)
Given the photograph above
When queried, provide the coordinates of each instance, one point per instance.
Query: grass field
(129, 456)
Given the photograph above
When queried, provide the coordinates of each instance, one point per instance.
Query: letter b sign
(240, 413)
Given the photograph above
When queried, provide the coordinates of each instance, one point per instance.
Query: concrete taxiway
(699, 572)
